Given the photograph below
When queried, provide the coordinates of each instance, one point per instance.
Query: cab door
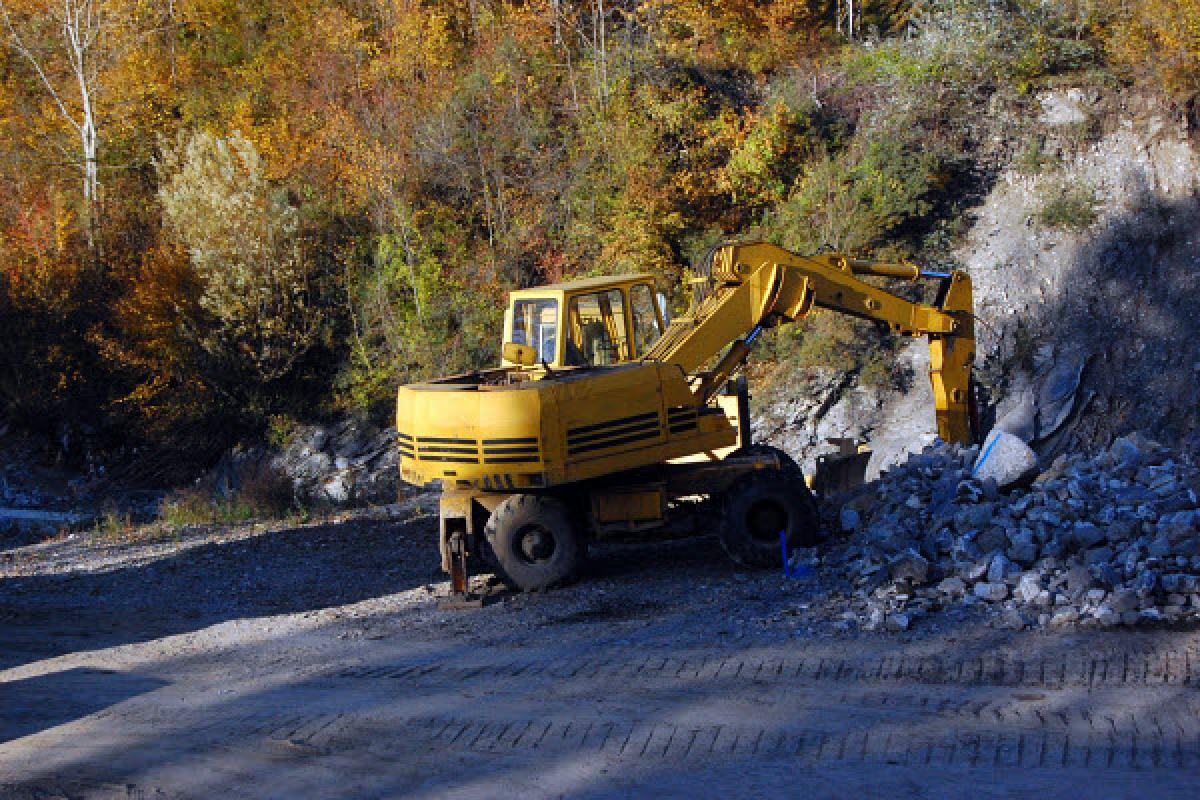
(598, 328)
(646, 318)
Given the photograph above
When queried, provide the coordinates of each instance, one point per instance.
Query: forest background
(221, 217)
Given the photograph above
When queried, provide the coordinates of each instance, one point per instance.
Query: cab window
(535, 323)
(646, 326)
(597, 331)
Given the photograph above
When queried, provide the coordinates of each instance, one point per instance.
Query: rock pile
(346, 463)
(1102, 541)
(351, 462)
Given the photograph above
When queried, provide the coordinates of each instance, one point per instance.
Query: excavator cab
(593, 322)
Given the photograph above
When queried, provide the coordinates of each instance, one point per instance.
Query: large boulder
(1007, 460)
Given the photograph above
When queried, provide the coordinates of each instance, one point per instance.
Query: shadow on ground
(46, 701)
(277, 572)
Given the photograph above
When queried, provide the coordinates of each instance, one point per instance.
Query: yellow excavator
(605, 412)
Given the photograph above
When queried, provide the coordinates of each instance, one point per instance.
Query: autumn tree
(1160, 38)
(71, 47)
(252, 275)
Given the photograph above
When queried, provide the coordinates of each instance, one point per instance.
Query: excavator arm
(756, 286)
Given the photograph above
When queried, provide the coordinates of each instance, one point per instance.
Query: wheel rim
(765, 520)
(535, 544)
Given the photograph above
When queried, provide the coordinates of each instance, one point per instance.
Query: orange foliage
(1161, 37)
(157, 305)
(433, 153)
(36, 256)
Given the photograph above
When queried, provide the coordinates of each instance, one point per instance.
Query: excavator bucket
(841, 471)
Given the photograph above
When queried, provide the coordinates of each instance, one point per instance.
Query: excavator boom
(756, 286)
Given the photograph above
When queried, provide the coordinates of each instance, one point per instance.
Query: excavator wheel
(761, 505)
(535, 542)
(786, 463)
(789, 467)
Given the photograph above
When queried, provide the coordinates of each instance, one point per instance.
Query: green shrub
(412, 317)
(1032, 160)
(242, 238)
(882, 372)
(827, 340)
(112, 524)
(189, 506)
(280, 430)
(264, 493)
(1067, 206)
(1025, 346)
(855, 199)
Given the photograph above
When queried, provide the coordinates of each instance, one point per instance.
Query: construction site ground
(310, 660)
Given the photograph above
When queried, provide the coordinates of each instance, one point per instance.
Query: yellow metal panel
(639, 504)
(584, 285)
(950, 362)
(451, 433)
(542, 433)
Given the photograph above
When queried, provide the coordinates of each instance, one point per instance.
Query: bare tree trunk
(600, 13)
(571, 78)
(489, 214)
(556, 8)
(844, 15)
(599, 45)
(82, 27)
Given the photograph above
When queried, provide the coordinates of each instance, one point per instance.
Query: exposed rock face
(1108, 540)
(827, 405)
(1110, 311)
(1083, 334)
(347, 463)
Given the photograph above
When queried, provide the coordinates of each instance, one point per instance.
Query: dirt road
(310, 662)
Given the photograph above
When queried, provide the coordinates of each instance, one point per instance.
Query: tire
(757, 507)
(790, 468)
(534, 542)
(786, 463)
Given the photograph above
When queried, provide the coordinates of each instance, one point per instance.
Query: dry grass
(264, 493)
(1067, 206)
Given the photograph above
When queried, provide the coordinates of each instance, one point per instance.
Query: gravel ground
(310, 660)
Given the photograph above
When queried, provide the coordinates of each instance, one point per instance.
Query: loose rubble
(347, 463)
(1103, 541)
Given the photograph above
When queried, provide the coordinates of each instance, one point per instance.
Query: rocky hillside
(1083, 256)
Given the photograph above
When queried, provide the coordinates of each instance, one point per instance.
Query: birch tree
(846, 19)
(70, 46)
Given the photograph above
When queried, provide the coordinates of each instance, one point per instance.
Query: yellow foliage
(420, 157)
(1161, 37)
